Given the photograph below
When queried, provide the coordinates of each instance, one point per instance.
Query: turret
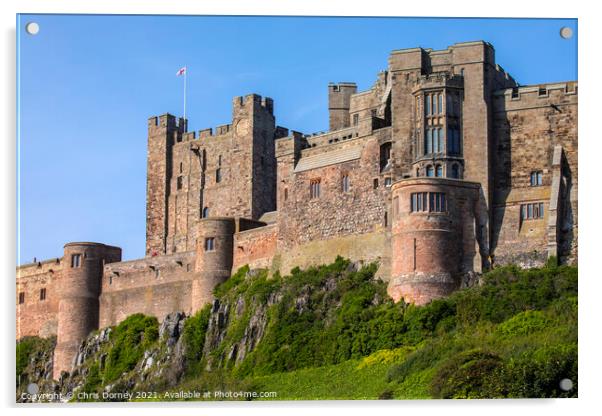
(435, 225)
(339, 100)
(163, 132)
(213, 258)
(79, 292)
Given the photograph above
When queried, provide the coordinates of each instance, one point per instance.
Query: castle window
(455, 171)
(218, 175)
(209, 244)
(179, 183)
(440, 103)
(417, 172)
(285, 194)
(395, 207)
(531, 211)
(429, 171)
(181, 167)
(375, 183)
(356, 119)
(438, 147)
(543, 91)
(76, 260)
(21, 298)
(386, 219)
(536, 178)
(43, 293)
(373, 112)
(439, 171)
(453, 141)
(385, 155)
(345, 183)
(188, 267)
(418, 201)
(428, 143)
(205, 212)
(515, 92)
(314, 188)
(437, 202)
(428, 104)
(388, 182)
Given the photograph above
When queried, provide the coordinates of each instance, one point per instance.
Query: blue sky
(87, 85)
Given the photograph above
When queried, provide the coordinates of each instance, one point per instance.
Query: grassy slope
(515, 336)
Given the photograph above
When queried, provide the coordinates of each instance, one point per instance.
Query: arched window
(430, 171)
(205, 212)
(439, 171)
(455, 171)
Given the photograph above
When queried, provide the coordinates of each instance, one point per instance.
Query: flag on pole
(181, 71)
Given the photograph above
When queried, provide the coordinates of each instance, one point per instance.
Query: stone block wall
(154, 285)
(529, 122)
(37, 316)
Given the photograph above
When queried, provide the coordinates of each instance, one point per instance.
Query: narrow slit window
(21, 298)
(345, 183)
(43, 293)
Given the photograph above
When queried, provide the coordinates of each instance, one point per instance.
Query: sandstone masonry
(443, 169)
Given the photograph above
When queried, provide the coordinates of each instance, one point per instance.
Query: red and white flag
(181, 71)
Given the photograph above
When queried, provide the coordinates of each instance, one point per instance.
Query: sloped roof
(328, 158)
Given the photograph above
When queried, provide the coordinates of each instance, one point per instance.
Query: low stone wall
(357, 247)
(255, 247)
(37, 316)
(154, 286)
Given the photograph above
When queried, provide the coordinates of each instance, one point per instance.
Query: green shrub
(26, 349)
(236, 279)
(195, 329)
(466, 376)
(523, 323)
(129, 340)
(537, 373)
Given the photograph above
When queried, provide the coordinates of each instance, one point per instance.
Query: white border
(590, 277)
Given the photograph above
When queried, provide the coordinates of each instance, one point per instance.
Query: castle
(445, 166)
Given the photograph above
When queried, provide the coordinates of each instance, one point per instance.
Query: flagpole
(185, 76)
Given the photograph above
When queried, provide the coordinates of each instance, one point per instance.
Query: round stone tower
(214, 255)
(433, 237)
(79, 290)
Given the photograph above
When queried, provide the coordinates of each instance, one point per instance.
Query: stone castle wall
(529, 123)
(37, 316)
(250, 192)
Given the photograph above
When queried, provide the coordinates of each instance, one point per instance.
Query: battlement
(325, 138)
(257, 99)
(42, 266)
(537, 91)
(154, 270)
(168, 121)
(443, 79)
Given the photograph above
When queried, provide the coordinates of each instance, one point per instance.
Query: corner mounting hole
(566, 32)
(32, 28)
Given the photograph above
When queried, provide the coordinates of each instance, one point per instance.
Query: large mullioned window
(531, 211)
(428, 201)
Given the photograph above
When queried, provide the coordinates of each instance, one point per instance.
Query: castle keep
(445, 167)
